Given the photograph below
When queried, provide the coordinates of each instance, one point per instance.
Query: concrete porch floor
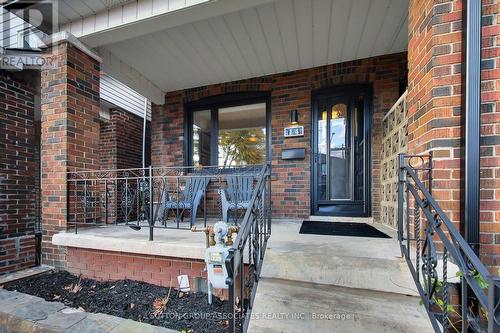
(351, 284)
(335, 284)
(180, 243)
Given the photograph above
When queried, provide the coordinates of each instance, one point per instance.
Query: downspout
(472, 123)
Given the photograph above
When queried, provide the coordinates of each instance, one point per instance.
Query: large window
(229, 136)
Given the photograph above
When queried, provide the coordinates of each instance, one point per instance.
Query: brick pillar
(436, 112)
(70, 134)
(434, 94)
(490, 136)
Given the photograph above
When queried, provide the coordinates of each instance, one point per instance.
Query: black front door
(341, 152)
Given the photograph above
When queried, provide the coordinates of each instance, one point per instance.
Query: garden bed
(139, 301)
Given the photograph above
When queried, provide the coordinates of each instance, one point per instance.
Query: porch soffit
(222, 41)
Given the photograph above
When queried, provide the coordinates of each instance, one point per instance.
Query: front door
(341, 152)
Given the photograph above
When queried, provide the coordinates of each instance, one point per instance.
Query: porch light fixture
(252, 138)
(294, 117)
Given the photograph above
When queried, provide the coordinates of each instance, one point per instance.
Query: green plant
(438, 300)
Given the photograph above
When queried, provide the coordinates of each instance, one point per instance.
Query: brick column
(490, 136)
(436, 112)
(70, 134)
(434, 94)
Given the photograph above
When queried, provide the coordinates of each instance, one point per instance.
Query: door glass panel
(322, 149)
(340, 157)
(201, 138)
(242, 135)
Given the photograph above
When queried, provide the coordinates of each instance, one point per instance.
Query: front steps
(350, 310)
(357, 284)
(354, 262)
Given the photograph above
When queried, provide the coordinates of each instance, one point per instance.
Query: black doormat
(351, 229)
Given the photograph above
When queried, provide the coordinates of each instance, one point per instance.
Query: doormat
(351, 229)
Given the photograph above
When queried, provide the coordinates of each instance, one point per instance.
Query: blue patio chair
(237, 195)
(189, 198)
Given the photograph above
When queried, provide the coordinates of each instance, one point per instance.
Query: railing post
(106, 216)
(401, 180)
(85, 201)
(75, 213)
(232, 294)
(269, 215)
(464, 306)
(151, 204)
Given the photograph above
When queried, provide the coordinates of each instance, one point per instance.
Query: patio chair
(189, 198)
(237, 195)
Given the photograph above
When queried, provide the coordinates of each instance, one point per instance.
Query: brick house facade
(291, 179)
(432, 68)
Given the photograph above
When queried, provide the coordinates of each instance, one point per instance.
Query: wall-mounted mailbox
(293, 154)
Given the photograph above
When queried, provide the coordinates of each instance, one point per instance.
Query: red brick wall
(436, 113)
(289, 91)
(107, 144)
(120, 142)
(105, 265)
(490, 135)
(18, 174)
(69, 137)
(434, 94)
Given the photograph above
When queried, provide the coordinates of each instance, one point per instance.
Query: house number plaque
(294, 131)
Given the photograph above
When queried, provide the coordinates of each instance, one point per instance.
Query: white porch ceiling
(270, 38)
(71, 10)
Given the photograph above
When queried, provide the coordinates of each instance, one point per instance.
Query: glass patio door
(340, 175)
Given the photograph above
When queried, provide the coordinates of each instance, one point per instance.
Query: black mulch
(129, 299)
(352, 229)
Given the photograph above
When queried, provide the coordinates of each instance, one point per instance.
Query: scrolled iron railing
(431, 244)
(250, 243)
(123, 198)
(158, 197)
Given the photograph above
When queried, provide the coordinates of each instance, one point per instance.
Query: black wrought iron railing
(163, 197)
(245, 258)
(431, 245)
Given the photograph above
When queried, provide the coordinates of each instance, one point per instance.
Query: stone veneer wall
(291, 90)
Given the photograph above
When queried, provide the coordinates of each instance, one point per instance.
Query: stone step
(354, 262)
(297, 307)
(388, 275)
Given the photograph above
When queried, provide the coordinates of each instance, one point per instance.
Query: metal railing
(245, 258)
(431, 244)
(161, 197)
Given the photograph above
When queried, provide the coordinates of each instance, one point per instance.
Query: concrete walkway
(25, 313)
(313, 283)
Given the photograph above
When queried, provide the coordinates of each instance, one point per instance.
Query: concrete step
(297, 307)
(353, 262)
